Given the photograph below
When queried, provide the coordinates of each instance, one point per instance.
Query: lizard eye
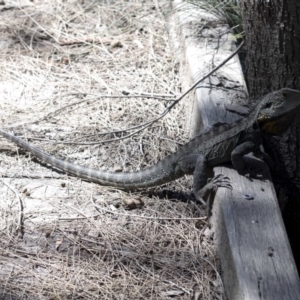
(268, 105)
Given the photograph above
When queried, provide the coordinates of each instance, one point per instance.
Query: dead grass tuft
(60, 61)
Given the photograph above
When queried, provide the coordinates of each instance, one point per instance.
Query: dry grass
(60, 60)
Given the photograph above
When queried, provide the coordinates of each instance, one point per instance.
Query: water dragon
(219, 144)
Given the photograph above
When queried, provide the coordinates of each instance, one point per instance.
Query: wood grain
(250, 237)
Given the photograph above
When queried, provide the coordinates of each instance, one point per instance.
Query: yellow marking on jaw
(273, 126)
(269, 127)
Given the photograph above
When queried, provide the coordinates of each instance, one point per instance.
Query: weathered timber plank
(200, 40)
(250, 237)
(253, 246)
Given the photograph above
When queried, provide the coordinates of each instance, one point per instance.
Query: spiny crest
(215, 130)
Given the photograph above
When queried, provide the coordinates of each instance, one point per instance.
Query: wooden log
(255, 254)
(250, 237)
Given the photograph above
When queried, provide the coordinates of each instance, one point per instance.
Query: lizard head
(277, 110)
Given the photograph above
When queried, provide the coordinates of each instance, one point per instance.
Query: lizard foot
(251, 173)
(219, 181)
(211, 187)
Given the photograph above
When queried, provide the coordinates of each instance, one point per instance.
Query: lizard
(219, 144)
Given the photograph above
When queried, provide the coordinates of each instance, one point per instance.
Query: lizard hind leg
(205, 188)
(196, 164)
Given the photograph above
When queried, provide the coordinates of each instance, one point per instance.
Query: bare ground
(71, 82)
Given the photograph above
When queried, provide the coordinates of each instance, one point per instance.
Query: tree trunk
(272, 36)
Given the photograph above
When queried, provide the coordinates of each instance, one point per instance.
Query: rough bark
(272, 35)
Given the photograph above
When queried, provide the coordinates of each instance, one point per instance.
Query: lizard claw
(212, 185)
(219, 181)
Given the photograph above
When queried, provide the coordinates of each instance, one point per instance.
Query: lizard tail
(163, 172)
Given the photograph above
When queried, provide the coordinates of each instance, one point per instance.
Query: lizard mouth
(274, 126)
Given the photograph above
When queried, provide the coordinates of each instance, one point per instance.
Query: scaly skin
(220, 144)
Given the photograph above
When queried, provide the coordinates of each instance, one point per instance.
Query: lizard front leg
(241, 150)
(238, 153)
(251, 143)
